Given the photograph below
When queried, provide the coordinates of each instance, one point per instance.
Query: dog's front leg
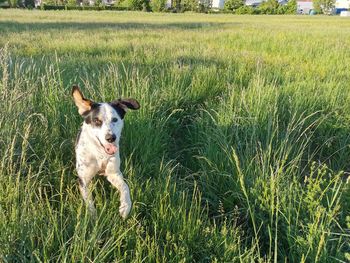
(86, 194)
(85, 175)
(117, 180)
(115, 177)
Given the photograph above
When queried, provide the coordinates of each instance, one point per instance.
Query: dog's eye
(97, 122)
(114, 119)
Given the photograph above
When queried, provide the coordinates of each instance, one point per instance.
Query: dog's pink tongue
(110, 148)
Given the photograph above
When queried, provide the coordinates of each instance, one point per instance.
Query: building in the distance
(218, 4)
(168, 3)
(304, 6)
(341, 5)
(255, 3)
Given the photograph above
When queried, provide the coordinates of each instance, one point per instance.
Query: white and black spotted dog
(97, 145)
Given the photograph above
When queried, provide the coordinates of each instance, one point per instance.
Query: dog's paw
(124, 209)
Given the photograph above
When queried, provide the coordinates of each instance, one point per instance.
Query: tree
(190, 5)
(98, 3)
(71, 2)
(204, 6)
(269, 7)
(245, 10)
(231, 5)
(132, 4)
(29, 4)
(146, 6)
(291, 7)
(324, 6)
(158, 5)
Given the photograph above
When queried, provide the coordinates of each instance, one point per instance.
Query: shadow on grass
(11, 26)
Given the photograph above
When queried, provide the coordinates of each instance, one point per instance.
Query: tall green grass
(239, 152)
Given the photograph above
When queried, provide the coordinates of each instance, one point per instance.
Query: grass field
(240, 151)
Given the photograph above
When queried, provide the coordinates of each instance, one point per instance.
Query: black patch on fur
(120, 105)
(81, 182)
(130, 103)
(117, 107)
(90, 115)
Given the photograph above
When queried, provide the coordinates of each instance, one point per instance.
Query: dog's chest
(87, 155)
(102, 164)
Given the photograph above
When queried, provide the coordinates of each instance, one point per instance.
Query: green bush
(269, 7)
(98, 3)
(72, 7)
(324, 6)
(132, 4)
(281, 9)
(12, 3)
(190, 5)
(158, 5)
(232, 5)
(53, 7)
(116, 8)
(55, 2)
(88, 8)
(71, 3)
(146, 6)
(204, 6)
(243, 10)
(291, 7)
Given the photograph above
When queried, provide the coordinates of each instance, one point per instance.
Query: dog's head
(104, 120)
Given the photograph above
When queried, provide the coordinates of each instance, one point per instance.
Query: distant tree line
(205, 6)
(17, 3)
(269, 7)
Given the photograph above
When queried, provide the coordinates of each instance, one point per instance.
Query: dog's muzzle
(109, 148)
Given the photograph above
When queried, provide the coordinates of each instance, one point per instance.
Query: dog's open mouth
(109, 148)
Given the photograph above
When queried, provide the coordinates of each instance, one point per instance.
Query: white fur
(92, 158)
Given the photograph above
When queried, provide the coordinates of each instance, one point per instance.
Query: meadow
(240, 151)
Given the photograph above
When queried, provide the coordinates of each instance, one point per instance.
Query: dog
(97, 146)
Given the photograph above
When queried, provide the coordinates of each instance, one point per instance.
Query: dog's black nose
(110, 138)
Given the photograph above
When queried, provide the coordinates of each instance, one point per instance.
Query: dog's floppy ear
(83, 104)
(122, 105)
(129, 104)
